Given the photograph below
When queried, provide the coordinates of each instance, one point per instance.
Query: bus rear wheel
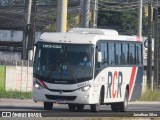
(115, 107)
(122, 106)
(48, 105)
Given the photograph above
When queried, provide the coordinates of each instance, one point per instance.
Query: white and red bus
(112, 77)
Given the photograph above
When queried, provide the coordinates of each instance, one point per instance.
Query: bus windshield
(63, 63)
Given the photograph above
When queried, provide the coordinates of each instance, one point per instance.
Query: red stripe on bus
(43, 84)
(138, 38)
(132, 79)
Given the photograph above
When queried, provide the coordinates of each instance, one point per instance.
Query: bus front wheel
(96, 107)
(72, 107)
(80, 107)
(48, 105)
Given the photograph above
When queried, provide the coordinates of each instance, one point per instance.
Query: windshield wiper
(71, 72)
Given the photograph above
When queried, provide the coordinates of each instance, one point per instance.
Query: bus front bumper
(77, 97)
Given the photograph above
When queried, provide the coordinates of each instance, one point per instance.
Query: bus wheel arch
(102, 94)
(127, 88)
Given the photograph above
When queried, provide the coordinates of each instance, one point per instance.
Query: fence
(16, 75)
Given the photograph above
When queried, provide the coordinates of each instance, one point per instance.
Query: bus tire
(80, 107)
(48, 105)
(114, 107)
(123, 105)
(96, 107)
(72, 107)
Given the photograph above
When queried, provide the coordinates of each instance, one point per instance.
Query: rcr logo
(115, 81)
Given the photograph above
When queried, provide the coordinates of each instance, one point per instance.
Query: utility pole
(61, 22)
(95, 13)
(140, 19)
(149, 55)
(32, 31)
(156, 51)
(85, 13)
(28, 4)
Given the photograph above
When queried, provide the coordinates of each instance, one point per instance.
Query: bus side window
(118, 54)
(132, 54)
(111, 53)
(104, 49)
(125, 54)
(138, 54)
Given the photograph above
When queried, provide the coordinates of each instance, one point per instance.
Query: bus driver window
(85, 61)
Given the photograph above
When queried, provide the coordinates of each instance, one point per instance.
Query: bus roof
(85, 36)
(94, 31)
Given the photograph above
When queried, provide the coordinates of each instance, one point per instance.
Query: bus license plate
(60, 101)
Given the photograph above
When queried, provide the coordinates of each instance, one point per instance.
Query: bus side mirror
(99, 57)
(30, 54)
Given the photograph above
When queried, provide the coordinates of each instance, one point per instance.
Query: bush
(15, 94)
(150, 95)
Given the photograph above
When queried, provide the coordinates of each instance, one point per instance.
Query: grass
(2, 78)
(150, 95)
(16, 95)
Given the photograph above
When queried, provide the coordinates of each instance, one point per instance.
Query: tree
(11, 2)
(121, 17)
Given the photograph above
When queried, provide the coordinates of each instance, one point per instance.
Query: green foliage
(125, 22)
(50, 28)
(15, 94)
(106, 0)
(150, 95)
(46, 22)
(2, 78)
(12, 2)
(73, 20)
(121, 16)
(45, 2)
(49, 22)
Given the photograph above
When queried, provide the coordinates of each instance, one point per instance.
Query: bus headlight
(85, 88)
(38, 86)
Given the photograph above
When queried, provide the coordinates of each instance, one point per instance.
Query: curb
(143, 102)
(15, 100)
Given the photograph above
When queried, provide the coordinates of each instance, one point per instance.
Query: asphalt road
(16, 107)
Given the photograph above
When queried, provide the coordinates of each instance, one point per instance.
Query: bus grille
(56, 97)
